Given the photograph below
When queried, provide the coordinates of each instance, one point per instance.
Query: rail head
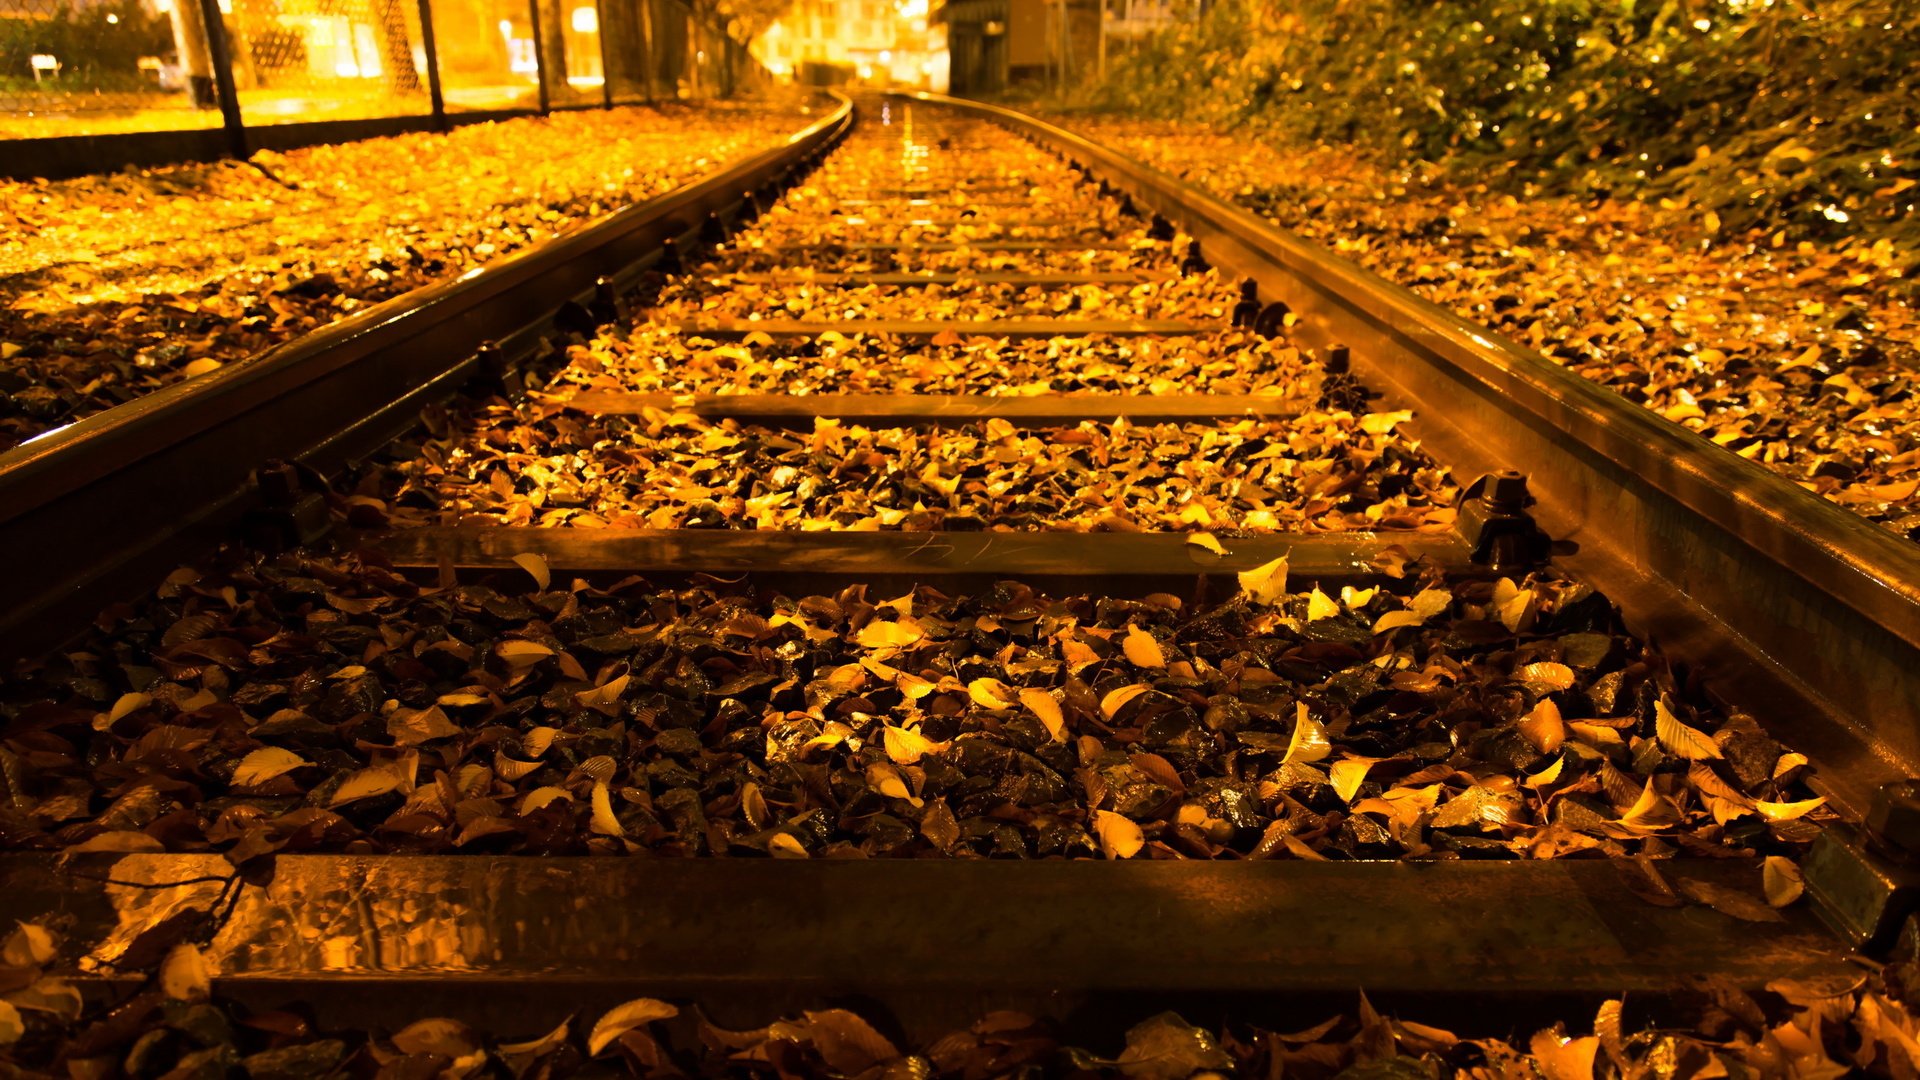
(1810, 590)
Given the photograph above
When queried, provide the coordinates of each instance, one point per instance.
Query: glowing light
(586, 20)
(112, 19)
(886, 56)
(506, 28)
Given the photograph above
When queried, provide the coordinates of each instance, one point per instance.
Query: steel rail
(1782, 599)
(102, 508)
(369, 939)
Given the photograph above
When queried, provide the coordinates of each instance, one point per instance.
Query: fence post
(606, 58)
(432, 47)
(540, 55)
(223, 85)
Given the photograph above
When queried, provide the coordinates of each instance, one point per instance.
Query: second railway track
(945, 348)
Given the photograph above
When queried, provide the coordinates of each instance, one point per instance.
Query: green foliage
(94, 54)
(1798, 113)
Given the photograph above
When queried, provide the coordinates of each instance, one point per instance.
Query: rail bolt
(1893, 819)
(1496, 526)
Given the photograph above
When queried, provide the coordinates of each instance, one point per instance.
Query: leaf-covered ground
(323, 703)
(113, 286)
(1795, 355)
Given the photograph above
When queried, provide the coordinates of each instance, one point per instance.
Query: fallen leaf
(1119, 836)
(1141, 649)
(1780, 877)
(621, 1019)
(536, 566)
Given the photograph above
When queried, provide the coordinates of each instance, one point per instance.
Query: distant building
(997, 44)
(874, 42)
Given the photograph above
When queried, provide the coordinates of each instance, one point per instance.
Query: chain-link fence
(107, 67)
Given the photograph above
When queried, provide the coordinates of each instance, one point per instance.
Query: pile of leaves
(1798, 114)
(1793, 355)
(111, 287)
(830, 254)
(651, 359)
(176, 1026)
(325, 704)
(539, 463)
(1203, 299)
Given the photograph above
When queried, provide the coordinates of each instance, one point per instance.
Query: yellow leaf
(1780, 876)
(521, 654)
(1309, 742)
(206, 365)
(119, 841)
(123, 706)
(1394, 620)
(889, 635)
(1430, 602)
(11, 1026)
(1546, 777)
(1347, 776)
(1546, 674)
(1266, 584)
(1594, 734)
(1117, 699)
(535, 565)
(1543, 727)
(1650, 812)
(537, 740)
(988, 693)
(264, 764)
(543, 796)
(1321, 606)
(1041, 704)
(367, 783)
(1381, 423)
(887, 780)
(1513, 612)
(1787, 763)
(906, 746)
(183, 974)
(1561, 1058)
(624, 1018)
(410, 727)
(30, 945)
(1690, 743)
(786, 846)
(1788, 811)
(604, 823)
(1141, 649)
(1206, 540)
(1120, 838)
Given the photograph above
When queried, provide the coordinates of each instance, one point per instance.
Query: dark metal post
(223, 85)
(647, 65)
(540, 56)
(433, 65)
(606, 59)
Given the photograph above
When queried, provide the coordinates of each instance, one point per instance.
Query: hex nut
(1893, 821)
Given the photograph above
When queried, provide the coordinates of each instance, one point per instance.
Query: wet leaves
(676, 470)
(360, 710)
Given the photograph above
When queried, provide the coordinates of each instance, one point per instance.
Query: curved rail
(1785, 597)
(124, 493)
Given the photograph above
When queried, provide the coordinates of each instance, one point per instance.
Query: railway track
(961, 348)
